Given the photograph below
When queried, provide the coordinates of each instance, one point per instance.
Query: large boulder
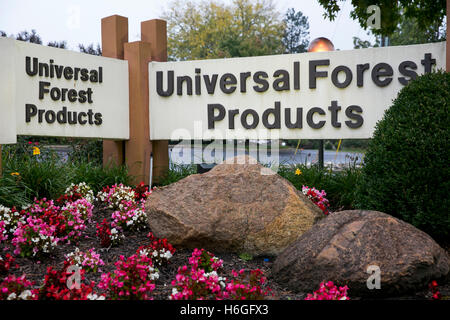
(341, 247)
(239, 206)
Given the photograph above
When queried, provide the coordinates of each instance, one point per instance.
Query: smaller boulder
(351, 247)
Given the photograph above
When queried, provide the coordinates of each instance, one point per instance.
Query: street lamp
(319, 45)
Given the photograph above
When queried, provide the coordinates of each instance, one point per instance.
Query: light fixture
(320, 44)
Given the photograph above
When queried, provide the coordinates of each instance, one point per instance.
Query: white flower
(95, 297)
(25, 294)
(167, 255)
(12, 296)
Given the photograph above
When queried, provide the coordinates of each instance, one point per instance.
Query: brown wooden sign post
(155, 32)
(153, 46)
(114, 36)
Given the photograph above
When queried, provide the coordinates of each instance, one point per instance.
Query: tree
(296, 33)
(90, 49)
(58, 44)
(407, 33)
(32, 37)
(209, 29)
(358, 43)
(426, 13)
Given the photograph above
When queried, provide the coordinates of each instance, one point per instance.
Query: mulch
(35, 270)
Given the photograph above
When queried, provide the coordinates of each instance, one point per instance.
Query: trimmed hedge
(406, 172)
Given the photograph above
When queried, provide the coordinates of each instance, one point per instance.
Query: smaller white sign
(62, 93)
(7, 90)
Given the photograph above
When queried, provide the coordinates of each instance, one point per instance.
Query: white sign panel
(7, 90)
(64, 93)
(322, 95)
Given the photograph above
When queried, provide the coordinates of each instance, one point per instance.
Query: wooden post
(155, 32)
(114, 36)
(448, 41)
(138, 148)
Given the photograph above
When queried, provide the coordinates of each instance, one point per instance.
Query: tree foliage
(90, 49)
(33, 37)
(407, 33)
(358, 43)
(426, 12)
(58, 44)
(211, 29)
(296, 33)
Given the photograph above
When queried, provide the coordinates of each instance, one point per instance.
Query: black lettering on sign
(228, 83)
(282, 81)
(30, 111)
(335, 75)
(259, 78)
(334, 108)
(277, 117)
(180, 81)
(314, 74)
(406, 68)
(309, 118)
(159, 83)
(231, 115)
(287, 118)
(349, 112)
(243, 78)
(211, 111)
(382, 70)
(428, 62)
(360, 68)
(31, 71)
(255, 117)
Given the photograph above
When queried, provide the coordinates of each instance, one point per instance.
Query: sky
(78, 21)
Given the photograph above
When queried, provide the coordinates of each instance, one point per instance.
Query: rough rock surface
(235, 207)
(341, 247)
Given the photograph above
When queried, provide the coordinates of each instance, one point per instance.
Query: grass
(46, 175)
(98, 177)
(13, 192)
(177, 172)
(340, 185)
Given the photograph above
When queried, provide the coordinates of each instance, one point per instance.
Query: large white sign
(67, 94)
(322, 95)
(7, 90)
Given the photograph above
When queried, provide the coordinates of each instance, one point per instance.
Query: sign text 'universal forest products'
(340, 94)
(69, 94)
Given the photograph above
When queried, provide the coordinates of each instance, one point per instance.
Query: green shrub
(406, 172)
(90, 150)
(98, 177)
(43, 175)
(339, 185)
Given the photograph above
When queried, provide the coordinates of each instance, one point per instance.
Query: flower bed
(33, 265)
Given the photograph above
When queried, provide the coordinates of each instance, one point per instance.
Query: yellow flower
(15, 174)
(36, 151)
(298, 172)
